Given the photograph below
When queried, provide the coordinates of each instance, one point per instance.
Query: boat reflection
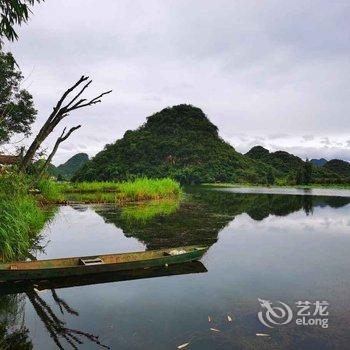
(64, 337)
(76, 281)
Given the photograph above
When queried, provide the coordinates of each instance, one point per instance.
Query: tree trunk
(59, 112)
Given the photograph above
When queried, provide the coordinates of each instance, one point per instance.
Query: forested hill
(69, 168)
(290, 169)
(182, 143)
(179, 142)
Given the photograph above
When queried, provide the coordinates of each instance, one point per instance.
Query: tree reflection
(57, 328)
(13, 332)
(204, 213)
(15, 335)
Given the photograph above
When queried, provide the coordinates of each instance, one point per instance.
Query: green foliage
(17, 111)
(307, 172)
(178, 142)
(69, 168)
(146, 189)
(128, 191)
(20, 216)
(339, 167)
(304, 174)
(282, 162)
(13, 12)
(270, 178)
(49, 190)
(289, 169)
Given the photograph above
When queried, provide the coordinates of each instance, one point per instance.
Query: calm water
(275, 247)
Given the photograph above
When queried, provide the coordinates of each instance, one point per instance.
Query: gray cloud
(308, 137)
(271, 68)
(277, 136)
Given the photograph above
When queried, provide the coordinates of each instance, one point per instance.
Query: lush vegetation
(178, 142)
(14, 12)
(17, 111)
(181, 143)
(289, 169)
(66, 170)
(20, 216)
(128, 191)
(339, 167)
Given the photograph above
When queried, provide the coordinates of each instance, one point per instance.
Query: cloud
(308, 137)
(265, 69)
(277, 136)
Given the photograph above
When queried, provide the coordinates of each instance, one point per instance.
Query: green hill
(288, 166)
(179, 142)
(69, 168)
(339, 167)
(283, 162)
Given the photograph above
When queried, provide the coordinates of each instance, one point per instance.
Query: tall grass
(49, 190)
(129, 191)
(146, 189)
(88, 187)
(20, 217)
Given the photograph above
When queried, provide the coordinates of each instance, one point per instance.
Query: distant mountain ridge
(67, 170)
(338, 166)
(182, 143)
(319, 162)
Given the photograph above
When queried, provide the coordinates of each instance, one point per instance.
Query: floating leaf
(182, 345)
(215, 330)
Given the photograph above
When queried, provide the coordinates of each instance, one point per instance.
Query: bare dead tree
(64, 136)
(61, 111)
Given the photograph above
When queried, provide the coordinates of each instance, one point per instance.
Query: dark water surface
(275, 247)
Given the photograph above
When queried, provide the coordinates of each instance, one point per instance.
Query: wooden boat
(77, 266)
(24, 286)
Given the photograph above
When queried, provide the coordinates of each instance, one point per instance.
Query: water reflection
(12, 305)
(13, 332)
(203, 214)
(273, 247)
(108, 277)
(55, 327)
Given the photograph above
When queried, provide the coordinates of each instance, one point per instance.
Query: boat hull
(52, 271)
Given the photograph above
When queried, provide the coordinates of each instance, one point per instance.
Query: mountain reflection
(202, 214)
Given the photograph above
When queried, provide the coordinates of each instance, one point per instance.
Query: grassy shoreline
(21, 217)
(138, 190)
(24, 211)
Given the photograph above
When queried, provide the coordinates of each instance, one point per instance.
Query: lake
(280, 247)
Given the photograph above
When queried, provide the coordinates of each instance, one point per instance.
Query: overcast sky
(274, 73)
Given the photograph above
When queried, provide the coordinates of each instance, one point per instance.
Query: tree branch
(64, 136)
(58, 114)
